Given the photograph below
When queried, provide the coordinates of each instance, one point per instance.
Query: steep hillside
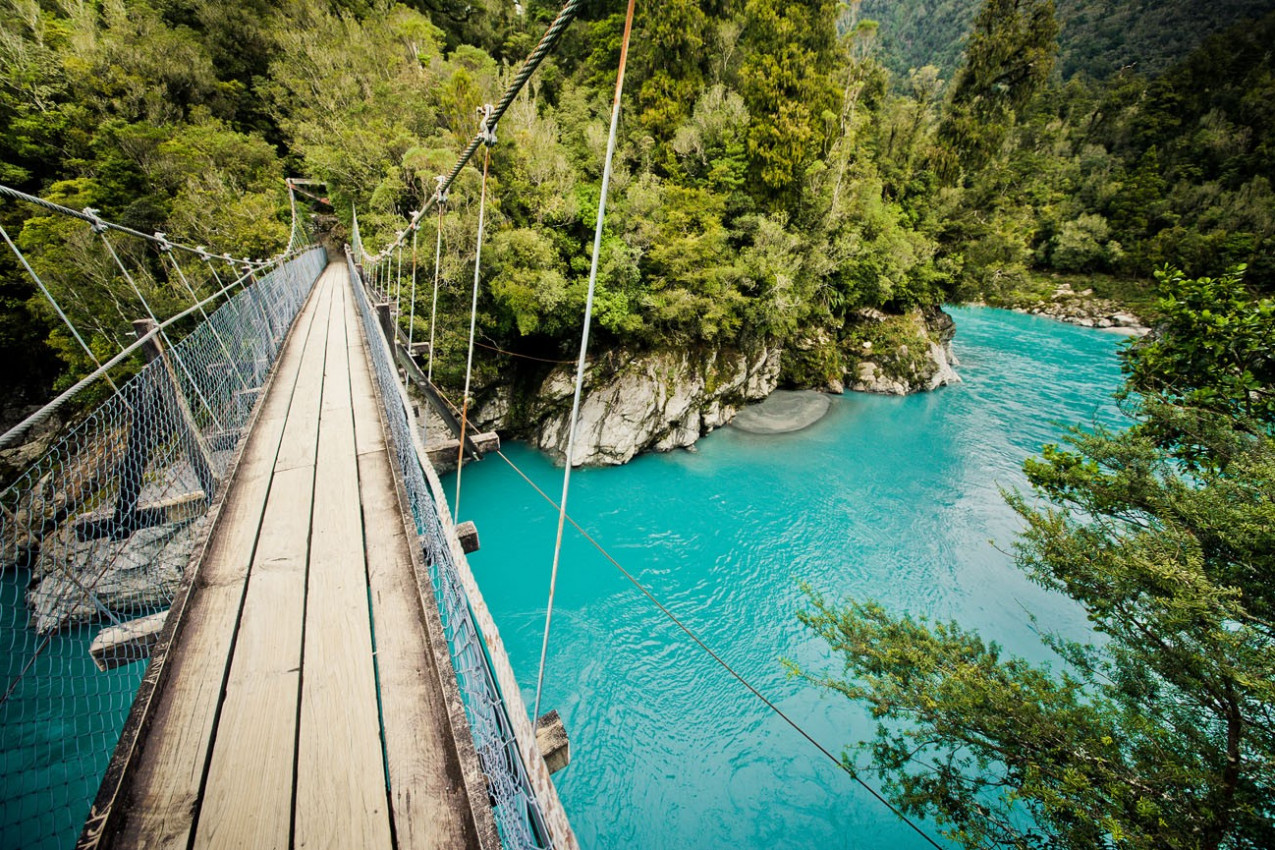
(1098, 38)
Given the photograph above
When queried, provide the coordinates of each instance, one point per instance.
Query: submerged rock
(783, 412)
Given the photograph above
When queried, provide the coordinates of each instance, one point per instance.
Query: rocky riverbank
(1082, 307)
(898, 355)
(657, 400)
(635, 401)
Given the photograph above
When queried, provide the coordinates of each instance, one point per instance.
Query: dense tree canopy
(774, 181)
(773, 178)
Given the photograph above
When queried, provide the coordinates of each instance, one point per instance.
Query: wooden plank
(340, 794)
(552, 741)
(247, 801)
(115, 646)
(443, 454)
(431, 808)
(165, 786)
(102, 523)
(467, 532)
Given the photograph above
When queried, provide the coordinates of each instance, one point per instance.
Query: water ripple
(887, 498)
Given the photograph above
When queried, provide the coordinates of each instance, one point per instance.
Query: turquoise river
(891, 498)
(895, 499)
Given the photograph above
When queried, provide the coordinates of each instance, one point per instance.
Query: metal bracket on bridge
(551, 740)
(487, 130)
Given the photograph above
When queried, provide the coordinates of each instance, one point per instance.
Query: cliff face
(658, 400)
(636, 401)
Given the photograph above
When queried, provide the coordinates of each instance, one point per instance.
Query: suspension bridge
(254, 510)
(237, 609)
(242, 498)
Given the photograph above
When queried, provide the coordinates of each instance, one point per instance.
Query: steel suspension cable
(584, 345)
(543, 48)
(91, 217)
(473, 315)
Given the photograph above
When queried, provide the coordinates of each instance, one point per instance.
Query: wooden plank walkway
(300, 702)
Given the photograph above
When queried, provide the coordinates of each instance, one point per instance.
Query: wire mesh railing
(519, 811)
(96, 533)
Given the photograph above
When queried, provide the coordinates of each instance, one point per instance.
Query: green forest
(1097, 38)
(774, 177)
(784, 169)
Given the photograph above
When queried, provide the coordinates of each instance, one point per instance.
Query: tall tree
(1008, 59)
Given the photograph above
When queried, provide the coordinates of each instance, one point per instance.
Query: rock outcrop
(635, 401)
(897, 355)
(658, 400)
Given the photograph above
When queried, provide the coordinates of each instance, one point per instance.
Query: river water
(888, 498)
(894, 499)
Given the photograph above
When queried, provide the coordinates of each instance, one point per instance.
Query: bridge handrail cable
(251, 268)
(525, 802)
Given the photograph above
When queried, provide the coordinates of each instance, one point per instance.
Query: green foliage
(525, 278)
(1098, 38)
(1214, 348)
(1008, 58)
(898, 345)
(1114, 178)
(771, 178)
(1158, 733)
(785, 77)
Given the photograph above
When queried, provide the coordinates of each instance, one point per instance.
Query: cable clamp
(95, 221)
(202, 251)
(441, 193)
(164, 245)
(487, 129)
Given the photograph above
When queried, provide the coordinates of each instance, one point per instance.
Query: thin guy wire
(473, 320)
(398, 286)
(584, 346)
(411, 319)
(252, 298)
(433, 310)
(723, 663)
(524, 356)
(292, 202)
(168, 342)
(230, 360)
(57, 308)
